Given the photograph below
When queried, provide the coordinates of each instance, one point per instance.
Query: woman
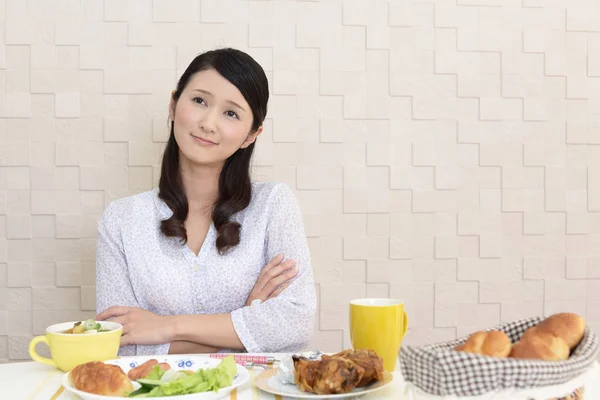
(210, 260)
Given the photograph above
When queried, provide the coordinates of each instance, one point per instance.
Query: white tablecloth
(34, 381)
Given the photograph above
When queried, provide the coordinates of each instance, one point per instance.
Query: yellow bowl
(69, 350)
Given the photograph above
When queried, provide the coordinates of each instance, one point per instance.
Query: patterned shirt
(137, 266)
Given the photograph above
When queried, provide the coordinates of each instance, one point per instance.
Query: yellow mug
(380, 325)
(70, 350)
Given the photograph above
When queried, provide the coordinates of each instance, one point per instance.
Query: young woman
(209, 261)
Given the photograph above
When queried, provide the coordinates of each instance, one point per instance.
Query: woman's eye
(199, 100)
(232, 114)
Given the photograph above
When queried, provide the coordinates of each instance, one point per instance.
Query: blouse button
(200, 307)
(196, 268)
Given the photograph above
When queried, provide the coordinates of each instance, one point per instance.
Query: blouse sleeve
(284, 323)
(113, 286)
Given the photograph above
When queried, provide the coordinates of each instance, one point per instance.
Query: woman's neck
(201, 186)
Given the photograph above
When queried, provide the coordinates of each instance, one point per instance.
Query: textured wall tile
(18, 226)
(552, 307)
(330, 340)
(18, 299)
(187, 11)
(18, 275)
(17, 347)
(338, 295)
(424, 336)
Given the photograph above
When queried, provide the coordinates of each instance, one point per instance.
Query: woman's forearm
(184, 347)
(213, 330)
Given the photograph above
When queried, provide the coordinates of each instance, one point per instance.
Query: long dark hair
(235, 188)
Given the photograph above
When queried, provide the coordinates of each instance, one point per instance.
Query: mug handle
(35, 356)
(405, 323)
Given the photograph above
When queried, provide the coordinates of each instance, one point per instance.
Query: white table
(34, 381)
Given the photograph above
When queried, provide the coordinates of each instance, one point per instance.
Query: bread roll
(567, 326)
(536, 345)
(493, 344)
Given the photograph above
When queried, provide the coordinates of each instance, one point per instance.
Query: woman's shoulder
(138, 206)
(273, 201)
(266, 193)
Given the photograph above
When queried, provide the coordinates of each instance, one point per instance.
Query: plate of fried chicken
(345, 374)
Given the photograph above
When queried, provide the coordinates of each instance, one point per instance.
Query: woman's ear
(252, 137)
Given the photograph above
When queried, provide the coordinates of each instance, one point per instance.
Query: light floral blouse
(137, 266)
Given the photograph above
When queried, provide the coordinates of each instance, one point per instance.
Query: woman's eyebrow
(207, 93)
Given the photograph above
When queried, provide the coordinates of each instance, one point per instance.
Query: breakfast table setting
(536, 358)
(35, 381)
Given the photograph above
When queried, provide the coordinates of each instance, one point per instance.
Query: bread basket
(439, 370)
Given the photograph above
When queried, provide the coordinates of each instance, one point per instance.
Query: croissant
(99, 378)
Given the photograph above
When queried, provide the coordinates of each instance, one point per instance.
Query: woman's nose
(207, 122)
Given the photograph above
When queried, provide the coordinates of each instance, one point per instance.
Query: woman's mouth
(204, 142)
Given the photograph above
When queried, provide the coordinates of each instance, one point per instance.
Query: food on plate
(567, 326)
(156, 379)
(99, 378)
(367, 359)
(333, 375)
(539, 345)
(160, 383)
(338, 373)
(88, 326)
(492, 343)
(142, 370)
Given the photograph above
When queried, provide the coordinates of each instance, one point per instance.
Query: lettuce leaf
(204, 380)
(156, 373)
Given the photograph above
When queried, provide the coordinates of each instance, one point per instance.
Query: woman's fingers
(280, 280)
(280, 269)
(263, 277)
(110, 312)
(274, 262)
(274, 272)
(273, 279)
(280, 289)
(122, 321)
(126, 340)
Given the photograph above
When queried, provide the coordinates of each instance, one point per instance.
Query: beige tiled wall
(444, 152)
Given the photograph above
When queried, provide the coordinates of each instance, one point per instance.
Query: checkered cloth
(439, 370)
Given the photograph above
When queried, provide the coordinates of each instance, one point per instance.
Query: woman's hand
(273, 279)
(139, 326)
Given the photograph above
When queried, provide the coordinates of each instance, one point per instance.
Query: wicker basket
(439, 370)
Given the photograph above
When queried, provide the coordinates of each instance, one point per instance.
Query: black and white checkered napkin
(439, 370)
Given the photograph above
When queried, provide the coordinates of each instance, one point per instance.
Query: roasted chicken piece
(333, 375)
(367, 359)
(99, 378)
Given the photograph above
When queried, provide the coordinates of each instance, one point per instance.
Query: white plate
(176, 362)
(271, 383)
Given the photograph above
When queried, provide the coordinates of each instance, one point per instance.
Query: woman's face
(211, 119)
